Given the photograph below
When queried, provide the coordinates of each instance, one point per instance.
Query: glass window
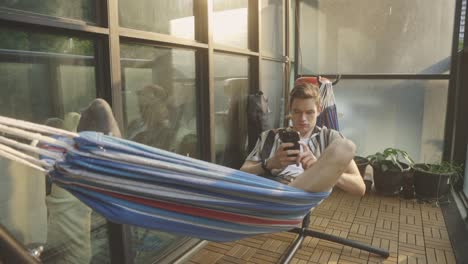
(159, 94)
(47, 79)
(404, 114)
(174, 17)
(272, 27)
(462, 26)
(230, 23)
(272, 85)
(78, 9)
(390, 37)
(292, 75)
(231, 91)
(160, 97)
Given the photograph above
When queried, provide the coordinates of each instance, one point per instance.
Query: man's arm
(254, 167)
(351, 180)
(279, 160)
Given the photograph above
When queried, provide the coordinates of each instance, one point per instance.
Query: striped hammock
(131, 183)
(329, 115)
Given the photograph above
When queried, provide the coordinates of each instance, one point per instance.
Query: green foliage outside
(75, 9)
(40, 42)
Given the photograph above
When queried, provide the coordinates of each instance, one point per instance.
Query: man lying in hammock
(130, 183)
(324, 157)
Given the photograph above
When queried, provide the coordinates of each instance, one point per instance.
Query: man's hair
(154, 90)
(305, 91)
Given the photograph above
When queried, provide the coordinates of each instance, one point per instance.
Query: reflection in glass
(231, 91)
(409, 115)
(77, 9)
(272, 27)
(160, 99)
(396, 36)
(272, 85)
(173, 17)
(57, 46)
(47, 79)
(230, 23)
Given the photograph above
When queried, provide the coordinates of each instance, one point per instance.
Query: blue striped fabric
(329, 115)
(329, 118)
(130, 183)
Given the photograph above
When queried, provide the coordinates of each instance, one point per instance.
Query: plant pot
(368, 184)
(361, 163)
(407, 190)
(389, 182)
(431, 185)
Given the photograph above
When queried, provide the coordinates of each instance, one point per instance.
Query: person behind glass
(325, 158)
(153, 127)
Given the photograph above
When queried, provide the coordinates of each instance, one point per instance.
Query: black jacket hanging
(258, 115)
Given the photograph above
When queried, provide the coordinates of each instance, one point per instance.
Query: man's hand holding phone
(306, 157)
(288, 152)
(290, 136)
(284, 156)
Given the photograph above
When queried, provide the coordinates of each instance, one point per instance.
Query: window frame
(108, 35)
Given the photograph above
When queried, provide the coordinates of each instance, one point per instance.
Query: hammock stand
(303, 232)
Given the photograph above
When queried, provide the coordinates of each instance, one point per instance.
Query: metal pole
(343, 241)
(11, 251)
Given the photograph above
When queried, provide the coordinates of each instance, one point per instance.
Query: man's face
(153, 109)
(304, 114)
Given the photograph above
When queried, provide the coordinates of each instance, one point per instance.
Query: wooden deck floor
(412, 232)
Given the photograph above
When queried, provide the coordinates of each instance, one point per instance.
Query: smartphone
(290, 136)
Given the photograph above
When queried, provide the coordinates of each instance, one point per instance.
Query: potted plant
(362, 163)
(433, 180)
(391, 167)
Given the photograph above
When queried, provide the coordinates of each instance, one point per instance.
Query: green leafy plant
(390, 158)
(434, 180)
(444, 167)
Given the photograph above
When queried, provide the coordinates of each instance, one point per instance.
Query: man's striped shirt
(319, 139)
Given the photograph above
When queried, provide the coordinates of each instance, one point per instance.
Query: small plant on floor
(390, 158)
(433, 180)
(443, 167)
(362, 163)
(391, 168)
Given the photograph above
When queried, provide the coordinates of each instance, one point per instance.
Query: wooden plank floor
(412, 232)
